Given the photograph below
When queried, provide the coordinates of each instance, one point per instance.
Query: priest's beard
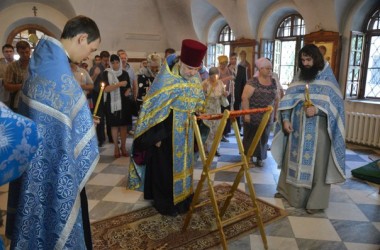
(308, 74)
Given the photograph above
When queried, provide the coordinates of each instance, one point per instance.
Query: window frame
(277, 41)
(366, 47)
(211, 60)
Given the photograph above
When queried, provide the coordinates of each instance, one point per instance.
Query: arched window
(289, 40)
(291, 26)
(226, 35)
(282, 51)
(363, 78)
(31, 33)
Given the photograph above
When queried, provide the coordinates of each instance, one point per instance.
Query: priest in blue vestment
(52, 211)
(309, 144)
(164, 132)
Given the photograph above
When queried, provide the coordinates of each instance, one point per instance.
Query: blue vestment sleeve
(285, 115)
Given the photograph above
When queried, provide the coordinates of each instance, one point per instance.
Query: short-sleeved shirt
(15, 74)
(263, 96)
(4, 95)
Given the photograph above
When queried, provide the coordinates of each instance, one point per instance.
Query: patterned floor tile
(115, 169)
(263, 178)
(338, 194)
(320, 245)
(355, 157)
(371, 211)
(313, 228)
(278, 243)
(367, 196)
(107, 209)
(265, 190)
(360, 246)
(350, 222)
(280, 228)
(105, 179)
(129, 196)
(357, 231)
(97, 192)
(345, 211)
(226, 176)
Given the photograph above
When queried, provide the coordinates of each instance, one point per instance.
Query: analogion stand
(243, 171)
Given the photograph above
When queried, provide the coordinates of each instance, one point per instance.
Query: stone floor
(352, 220)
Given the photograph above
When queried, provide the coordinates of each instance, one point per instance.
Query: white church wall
(133, 25)
(20, 14)
(142, 27)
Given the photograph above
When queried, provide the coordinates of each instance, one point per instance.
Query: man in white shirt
(8, 53)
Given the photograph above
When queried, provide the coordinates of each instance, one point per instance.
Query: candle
(98, 100)
(308, 102)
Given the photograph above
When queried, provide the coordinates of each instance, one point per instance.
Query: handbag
(224, 101)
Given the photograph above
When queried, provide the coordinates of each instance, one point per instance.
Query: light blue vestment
(302, 142)
(49, 212)
(18, 144)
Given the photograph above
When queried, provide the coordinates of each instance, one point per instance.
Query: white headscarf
(262, 63)
(113, 79)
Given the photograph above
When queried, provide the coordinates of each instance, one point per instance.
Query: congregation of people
(68, 119)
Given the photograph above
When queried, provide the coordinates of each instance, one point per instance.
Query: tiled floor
(351, 222)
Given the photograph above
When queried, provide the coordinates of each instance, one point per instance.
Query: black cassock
(158, 185)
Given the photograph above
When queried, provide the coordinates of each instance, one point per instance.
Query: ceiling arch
(63, 6)
(272, 17)
(49, 18)
(41, 25)
(215, 28)
(204, 16)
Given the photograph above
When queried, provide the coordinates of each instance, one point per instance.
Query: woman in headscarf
(259, 92)
(117, 90)
(214, 91)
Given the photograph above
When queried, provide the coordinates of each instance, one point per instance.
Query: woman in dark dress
(117, 92)
(259, 92)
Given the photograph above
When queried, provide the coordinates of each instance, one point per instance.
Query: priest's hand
(288, 128)
(311, 111)
(158, 144)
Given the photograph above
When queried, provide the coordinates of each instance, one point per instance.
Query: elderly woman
(117, 90)
(259, 92)
(214, 91)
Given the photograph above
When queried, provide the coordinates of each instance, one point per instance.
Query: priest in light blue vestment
(49, 213)
(309, 143)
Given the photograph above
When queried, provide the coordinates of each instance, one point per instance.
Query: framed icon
(328, 43)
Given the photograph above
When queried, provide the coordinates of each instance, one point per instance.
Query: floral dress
(212, 106)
